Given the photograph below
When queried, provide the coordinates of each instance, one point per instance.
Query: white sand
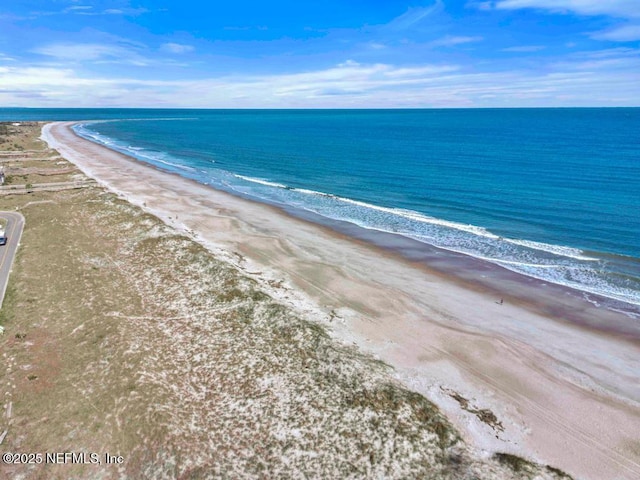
(567, 396)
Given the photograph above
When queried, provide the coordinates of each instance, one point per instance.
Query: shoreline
(528, 369)
(564, 303)
(561, 301)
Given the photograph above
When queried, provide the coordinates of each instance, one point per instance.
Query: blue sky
(319, 54)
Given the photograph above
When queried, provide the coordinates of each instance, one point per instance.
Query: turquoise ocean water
(549, 193)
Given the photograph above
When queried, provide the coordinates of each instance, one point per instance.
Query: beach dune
(511, 377)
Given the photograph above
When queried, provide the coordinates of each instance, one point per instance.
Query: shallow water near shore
(547, 193)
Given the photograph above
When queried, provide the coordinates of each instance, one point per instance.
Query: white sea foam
(569, 252)
(556, 267)
(136, 152)
(408, 214)
(157, 157)
(414, 216)
(260, 181)
(582, 279)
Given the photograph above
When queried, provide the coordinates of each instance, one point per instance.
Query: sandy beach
(562, 393)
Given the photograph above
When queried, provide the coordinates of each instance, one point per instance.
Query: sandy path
(566, 396)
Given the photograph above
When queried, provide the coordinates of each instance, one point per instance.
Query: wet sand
(562, 376)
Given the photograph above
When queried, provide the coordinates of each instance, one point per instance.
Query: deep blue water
(551, 193)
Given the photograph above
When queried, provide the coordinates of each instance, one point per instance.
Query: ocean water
(549, 193)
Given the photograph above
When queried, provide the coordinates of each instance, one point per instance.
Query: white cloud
(480, 5)
(177, 48)
(349, 63)
(602, 64)
(619, 52)
(10, 76)
(79, 8)
(354, 76)
(320, 88)
(88, 10)
(525, 48)
(79, 52)
(11, 18)
(92, 52)
(624, 33)
(131, 12)
(610, 80)
(414, 16)
(423, 72)
(614, 8)
(451, 41)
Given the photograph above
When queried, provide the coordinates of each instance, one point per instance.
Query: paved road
(15, 224)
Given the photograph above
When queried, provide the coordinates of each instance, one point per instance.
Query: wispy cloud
(624, 33)
(89, 10)
(92, 52)
(176, 48)
(12, 18)
(78, 8)
(414, 16)
(349, 79)
(452, 40)
(376, 45)
(246, 28)
(480, 4)
(524, 48)
(423, 72)
(609, 53)
(353, 76)
(583, 81)
(614, 8)
(611, 59)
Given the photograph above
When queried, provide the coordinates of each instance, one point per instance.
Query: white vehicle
(3, 238)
